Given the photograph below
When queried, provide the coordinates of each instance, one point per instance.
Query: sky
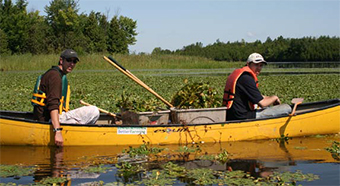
(173, 24)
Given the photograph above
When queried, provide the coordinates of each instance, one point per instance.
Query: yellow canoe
(17, 128)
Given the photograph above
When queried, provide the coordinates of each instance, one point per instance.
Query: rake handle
(134, 78)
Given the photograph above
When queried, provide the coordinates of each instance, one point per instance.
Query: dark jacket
(51, 84)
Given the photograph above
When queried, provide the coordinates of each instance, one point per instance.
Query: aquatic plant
(283, 138)
(222, 157)
(52, 181)
(127, 170)
(96, 169)
(335, 150)
(186, 149)
(156, 177)
(196, 95)
(106, 87)
(8, 184)
(15, 170)
(202, 176)
(287, 178)
(237, 177)
(172, 174)
(143, 150)
(174, 170)
(130, 102)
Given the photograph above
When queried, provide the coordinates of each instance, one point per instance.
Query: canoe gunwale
(328, 104)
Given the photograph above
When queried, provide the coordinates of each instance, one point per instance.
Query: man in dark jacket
(51, 97)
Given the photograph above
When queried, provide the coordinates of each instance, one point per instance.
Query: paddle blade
(297, 100)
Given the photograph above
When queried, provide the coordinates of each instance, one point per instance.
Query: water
(259, 158)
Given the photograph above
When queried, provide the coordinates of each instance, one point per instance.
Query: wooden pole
(138, 81)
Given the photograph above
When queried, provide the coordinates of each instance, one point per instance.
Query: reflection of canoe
(297, 149)
(16, 128)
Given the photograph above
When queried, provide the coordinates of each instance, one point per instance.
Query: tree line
(62, 27)
(323, 48)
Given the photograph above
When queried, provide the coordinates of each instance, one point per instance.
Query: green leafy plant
(222, 157)
(202, 176)
(157, 177)
(96, 169)
(174, 170)
(196, 95)
(127, 169)
(15, 170)
(143, 150)
(283, 138)
(335, 150)
(286, 178)
(52, 181)
(237, 177)
(135, 103)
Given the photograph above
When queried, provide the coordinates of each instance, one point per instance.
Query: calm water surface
(260, 158)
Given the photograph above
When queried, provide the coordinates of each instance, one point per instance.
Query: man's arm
(58, 137)
(269, 100)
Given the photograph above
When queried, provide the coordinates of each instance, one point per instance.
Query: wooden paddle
(296, 102)
(134, 78)
(101, 110)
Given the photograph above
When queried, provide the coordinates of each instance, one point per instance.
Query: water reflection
(258, 158)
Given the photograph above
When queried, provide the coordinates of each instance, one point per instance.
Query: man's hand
(277, 102)
(269, 100)
(58, 139)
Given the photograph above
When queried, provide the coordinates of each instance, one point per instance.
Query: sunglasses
(70, 60)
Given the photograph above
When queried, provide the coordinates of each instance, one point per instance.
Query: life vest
(39, 96)
(230, 87)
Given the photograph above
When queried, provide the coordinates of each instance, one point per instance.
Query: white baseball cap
(256, 58)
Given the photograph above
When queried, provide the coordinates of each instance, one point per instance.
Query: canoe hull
(322, 121)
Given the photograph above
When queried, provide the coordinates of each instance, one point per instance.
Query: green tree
(37, 41)
(121, 34)
(95, 33)
(15, 23)
(3, 42)
(62, 17)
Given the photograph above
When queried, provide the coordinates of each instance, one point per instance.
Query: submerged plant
(222, 157)
(202, 176)
(127, 169)
(287, 178)
(15, 170)
(174, 170)
(96, 169)
(237, 177)
(283, 138)
(156, 177)
(52, 181)
(335, 150)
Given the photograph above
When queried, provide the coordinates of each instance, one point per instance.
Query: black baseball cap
(69, 53)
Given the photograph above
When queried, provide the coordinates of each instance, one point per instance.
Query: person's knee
(94, 110)
(285, 108)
